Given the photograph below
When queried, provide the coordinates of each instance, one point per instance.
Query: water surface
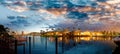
(74, 45)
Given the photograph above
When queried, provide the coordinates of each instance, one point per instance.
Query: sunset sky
(84, 14)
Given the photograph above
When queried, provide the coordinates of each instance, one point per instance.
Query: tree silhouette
(4, 31)
(6, 41)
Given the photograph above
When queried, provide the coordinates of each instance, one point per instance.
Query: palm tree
(46, 30)
(58, 29)
(41, 31)
(52, 29)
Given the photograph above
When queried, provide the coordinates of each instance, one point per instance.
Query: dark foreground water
(75, 45)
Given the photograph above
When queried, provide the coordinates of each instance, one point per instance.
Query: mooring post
(29, 45)
(24, 49)
(56, 46)
(15, 46)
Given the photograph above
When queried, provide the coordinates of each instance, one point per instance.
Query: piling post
(56, 46)
(15, 46)
(24, 49)
(29, 45)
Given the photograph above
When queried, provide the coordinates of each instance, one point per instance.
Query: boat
(117, 40)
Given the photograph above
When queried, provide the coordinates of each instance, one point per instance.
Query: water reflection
(66, 45)
(78, 39)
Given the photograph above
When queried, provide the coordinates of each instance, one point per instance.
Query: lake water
(74, 45)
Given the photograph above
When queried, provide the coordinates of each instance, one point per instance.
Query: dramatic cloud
(84, 2)
(76, 15)
(84, 14)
